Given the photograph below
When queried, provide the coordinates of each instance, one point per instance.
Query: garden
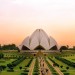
(15, 63)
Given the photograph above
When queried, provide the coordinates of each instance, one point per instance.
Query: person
(46, 70)
(53, 64)
(43, 64)
(43, 72)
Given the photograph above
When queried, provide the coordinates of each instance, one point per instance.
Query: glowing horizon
(20, 18)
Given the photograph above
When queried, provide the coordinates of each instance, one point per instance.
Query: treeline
(67, 48)
(9, 47)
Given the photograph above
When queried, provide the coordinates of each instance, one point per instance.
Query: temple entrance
(25, 48)
(54, 48)
(39, 54)
(39, 48)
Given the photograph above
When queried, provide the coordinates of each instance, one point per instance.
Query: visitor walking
(47, 71)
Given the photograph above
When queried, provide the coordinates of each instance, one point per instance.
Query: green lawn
(11, 56)
(71, 69)
(6, 61)
(23, 64)
(70, 58)
(10, 73)
(17, 71)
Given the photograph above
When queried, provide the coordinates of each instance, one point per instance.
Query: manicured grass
(11, 56)
(17, 70)
(22, 64)
(36, 68)
(51, 67)
(70, 58)
(10, 73)
(70, 70)
(6, 61)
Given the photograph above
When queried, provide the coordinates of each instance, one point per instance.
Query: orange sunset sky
(20, 18)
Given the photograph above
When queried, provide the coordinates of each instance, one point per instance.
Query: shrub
(51, 68)
(2, 67)
(10, 70)
(16, 62)
(36, 68)
(54, 73)
(24, 73)
(26, 70)
(35, 73)
(1, 55)
(63, 70)
(72, 64)
(61, 66)
(20, 67)
(56, 64)
(29, 63)
(66, 73)
(67, 68)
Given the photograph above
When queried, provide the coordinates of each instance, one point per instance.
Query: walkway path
(44, 67)
(55, 67)
(31, 67)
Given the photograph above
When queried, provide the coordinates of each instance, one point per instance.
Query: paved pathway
(55, 67)
(44, 67)
(31, 67)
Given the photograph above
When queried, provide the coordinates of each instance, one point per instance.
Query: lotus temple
(39, 40)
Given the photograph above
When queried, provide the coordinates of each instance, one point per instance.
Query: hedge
(72, 64)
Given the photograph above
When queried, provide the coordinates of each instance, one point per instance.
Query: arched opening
(54, 48)
(25, 48)
(39, 48)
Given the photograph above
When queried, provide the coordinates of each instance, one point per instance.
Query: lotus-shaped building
(39, 40)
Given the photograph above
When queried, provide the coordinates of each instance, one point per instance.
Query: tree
(0, 46)
(18, 50)
(20, 67)
(63, 48)
(67, 68)
(10, 66)
(1, 55)
(9, 47)
(73, 47)
(61, 66)
(0, 68)
(67, 46)
(60, 50)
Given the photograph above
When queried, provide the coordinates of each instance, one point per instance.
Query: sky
(20, 18)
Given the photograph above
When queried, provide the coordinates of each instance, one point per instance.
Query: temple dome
(39, 40)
